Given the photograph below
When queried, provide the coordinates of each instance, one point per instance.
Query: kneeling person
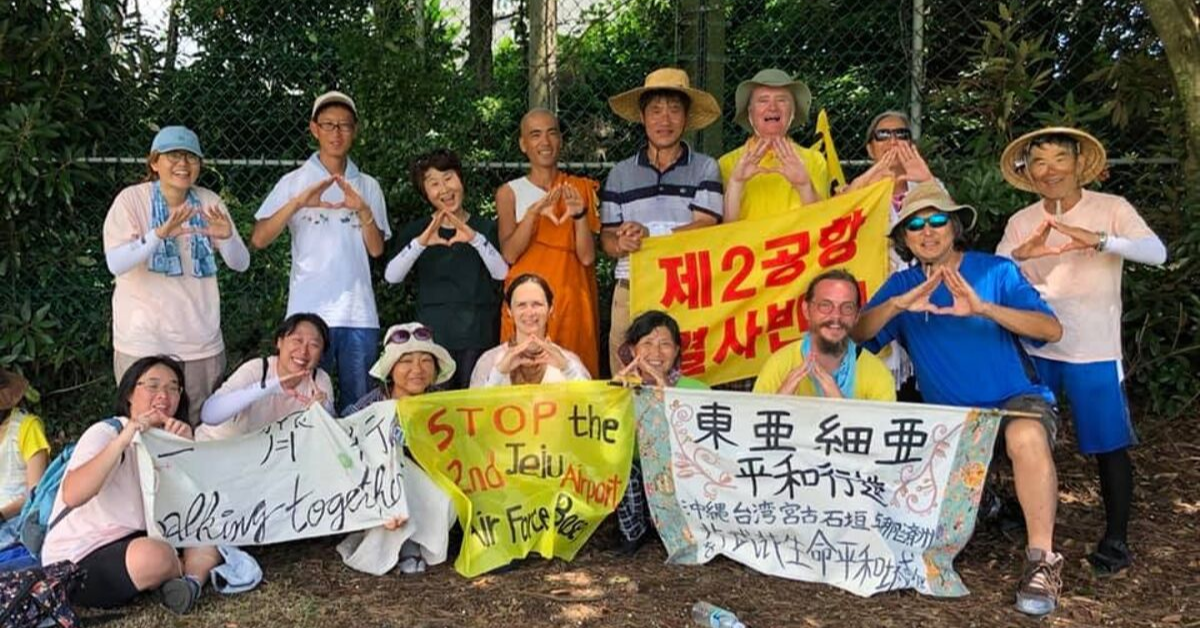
(825, 362)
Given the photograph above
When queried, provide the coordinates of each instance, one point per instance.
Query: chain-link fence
(460, 73)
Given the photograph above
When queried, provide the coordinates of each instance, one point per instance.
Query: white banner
(306, 475)
(865, 496)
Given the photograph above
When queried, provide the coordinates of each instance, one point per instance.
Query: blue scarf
(165, 259)
(843, 376)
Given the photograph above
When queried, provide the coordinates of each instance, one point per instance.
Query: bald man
(547, 223)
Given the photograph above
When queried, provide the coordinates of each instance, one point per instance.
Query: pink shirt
(154, 313)
(112, 514)
(268, 409)
(1083, 287)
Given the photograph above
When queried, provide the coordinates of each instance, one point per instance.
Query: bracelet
(580, 215)
(369, 221)
(1102, 241)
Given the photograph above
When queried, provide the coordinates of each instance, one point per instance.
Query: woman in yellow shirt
(24, 453)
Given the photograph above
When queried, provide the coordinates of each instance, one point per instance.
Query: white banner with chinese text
(866, 496)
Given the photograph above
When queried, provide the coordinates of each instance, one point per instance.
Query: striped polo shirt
(635, 191)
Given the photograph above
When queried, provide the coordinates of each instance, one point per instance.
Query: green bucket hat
(772, 77)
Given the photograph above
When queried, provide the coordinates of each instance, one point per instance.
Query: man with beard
(960, 315)
(825, 362)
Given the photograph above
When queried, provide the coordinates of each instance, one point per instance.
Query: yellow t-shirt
(872, 380)
(771, 194)
(32, 437)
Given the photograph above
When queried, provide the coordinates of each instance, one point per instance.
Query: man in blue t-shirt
(959, 314)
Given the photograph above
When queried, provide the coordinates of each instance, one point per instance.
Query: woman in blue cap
(161, 241)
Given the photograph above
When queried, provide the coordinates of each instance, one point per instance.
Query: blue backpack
(34, 520)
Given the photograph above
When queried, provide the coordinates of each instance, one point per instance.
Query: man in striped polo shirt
(665, 187)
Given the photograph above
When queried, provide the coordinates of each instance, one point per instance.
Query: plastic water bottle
(710, 616)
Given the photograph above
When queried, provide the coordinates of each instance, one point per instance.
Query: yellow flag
(826, 147)
(529, 468)
(736, 289)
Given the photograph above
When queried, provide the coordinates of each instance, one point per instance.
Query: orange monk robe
(574, 323)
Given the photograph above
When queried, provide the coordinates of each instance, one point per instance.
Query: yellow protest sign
(736, 289)
(529, 468)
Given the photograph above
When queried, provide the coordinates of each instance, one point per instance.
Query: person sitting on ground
(959, 314)
(162, 238)
(530, 357)
(264, 390)
(547, 220)
(826, 362)
(98, 521)
(1071, 244)
(771, 174)
(457, 264)
(651, 352)
(24, 453)
(410, 365)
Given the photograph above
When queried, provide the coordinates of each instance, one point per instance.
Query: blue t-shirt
(971, 360)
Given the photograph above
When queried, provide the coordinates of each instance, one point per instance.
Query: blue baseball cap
(176, 138)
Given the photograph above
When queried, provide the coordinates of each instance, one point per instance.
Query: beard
(831, 348)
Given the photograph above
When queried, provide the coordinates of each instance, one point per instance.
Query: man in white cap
(1071, 244)
(665, 187)
(770, 173)
(959, 315)
(338, 221)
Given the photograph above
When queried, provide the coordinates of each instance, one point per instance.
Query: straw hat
(703, 111)
(12, 389)
(772, 78)
(393, 351)
(930, 195)
(1092, 158)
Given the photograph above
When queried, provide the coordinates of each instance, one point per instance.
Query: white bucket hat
(411, 338)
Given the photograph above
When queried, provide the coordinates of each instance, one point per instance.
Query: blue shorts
(1097, 398)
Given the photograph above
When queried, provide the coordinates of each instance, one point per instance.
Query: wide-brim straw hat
(772, 77)
(393, 351)
(703, 111)
(930, 195)
(12, 389)
(1092, 157)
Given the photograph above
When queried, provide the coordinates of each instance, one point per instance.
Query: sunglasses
(937, 221)
(401, 336)
(883, 135)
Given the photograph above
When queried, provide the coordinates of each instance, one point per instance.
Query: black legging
(1116, 487)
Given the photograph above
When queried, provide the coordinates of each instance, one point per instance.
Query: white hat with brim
(771, 77)
(333, 98)
(393, 351)
(1092, 157)
(930, 195)
(703, 110)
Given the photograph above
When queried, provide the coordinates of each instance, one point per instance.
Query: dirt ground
(307, 585)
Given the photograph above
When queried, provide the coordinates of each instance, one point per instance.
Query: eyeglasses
(401, 336)
(330, 127)
(177, 156)
(154, 387)
(847, 308)
(937, 221)
(883, 135)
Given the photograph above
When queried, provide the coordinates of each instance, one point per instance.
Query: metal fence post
(917, 72)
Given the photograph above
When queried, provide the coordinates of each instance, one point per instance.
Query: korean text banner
(736, 289)
(305, 475)
(862, 495)
(529, 468)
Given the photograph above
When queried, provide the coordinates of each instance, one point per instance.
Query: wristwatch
(1102, 241)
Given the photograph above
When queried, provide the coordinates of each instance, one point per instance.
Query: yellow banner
(736, 289)
(529, 468)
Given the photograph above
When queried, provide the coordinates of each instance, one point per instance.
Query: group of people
(514, 301)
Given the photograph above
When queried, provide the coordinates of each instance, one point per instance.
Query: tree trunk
(479, 48)
(172, 37)
(543, 30)
(1177, 23)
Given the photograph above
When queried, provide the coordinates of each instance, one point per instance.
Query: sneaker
(180, 594)
(1040, 582)
(1110, 557)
